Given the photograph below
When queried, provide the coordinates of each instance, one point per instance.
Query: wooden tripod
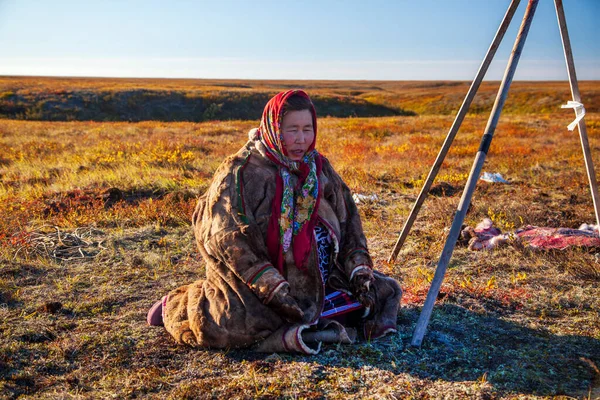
(486, 140)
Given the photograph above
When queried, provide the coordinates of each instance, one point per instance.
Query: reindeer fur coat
(230, 307)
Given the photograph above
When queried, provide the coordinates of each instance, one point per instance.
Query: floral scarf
(294, 208)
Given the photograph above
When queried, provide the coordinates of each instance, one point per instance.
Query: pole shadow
(462, 345)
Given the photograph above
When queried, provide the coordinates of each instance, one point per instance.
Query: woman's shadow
(462, 345)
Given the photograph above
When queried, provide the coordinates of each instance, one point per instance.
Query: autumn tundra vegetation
(99, 178)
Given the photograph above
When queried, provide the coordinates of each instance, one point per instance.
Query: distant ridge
(114, 99)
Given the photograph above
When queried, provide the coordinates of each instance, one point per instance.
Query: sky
(262, 39)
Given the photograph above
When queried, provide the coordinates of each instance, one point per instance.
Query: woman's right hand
(286, 305)
(362, 285)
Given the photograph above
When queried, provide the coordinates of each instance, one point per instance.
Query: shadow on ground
(466, 346)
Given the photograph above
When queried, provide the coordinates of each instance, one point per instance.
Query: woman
(287, 265)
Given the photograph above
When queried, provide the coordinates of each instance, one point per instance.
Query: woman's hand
(286, 305)
(362, 286)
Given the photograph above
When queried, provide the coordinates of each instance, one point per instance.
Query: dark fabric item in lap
(336, 303)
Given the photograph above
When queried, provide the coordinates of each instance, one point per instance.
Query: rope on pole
(585, 145)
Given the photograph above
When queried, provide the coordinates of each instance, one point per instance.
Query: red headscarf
(294, 208)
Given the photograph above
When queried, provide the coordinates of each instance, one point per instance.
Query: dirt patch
(443, 189)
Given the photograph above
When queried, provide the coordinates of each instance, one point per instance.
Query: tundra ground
(96, 227)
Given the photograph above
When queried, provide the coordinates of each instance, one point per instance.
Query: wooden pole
(465, 200)
(585, 145)
(454, 128)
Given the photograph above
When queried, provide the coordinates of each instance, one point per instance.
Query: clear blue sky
(260, 39)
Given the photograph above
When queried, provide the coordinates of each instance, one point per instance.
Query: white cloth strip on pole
(462, 112)
(583, 137)
(579, 112)
(465, 200)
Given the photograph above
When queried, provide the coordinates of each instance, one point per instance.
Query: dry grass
(509, 323)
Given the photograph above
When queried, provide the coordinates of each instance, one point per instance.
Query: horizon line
(2, 76)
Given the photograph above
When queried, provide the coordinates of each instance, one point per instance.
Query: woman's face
(297, 133)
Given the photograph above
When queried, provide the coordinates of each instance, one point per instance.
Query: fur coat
(230, 307)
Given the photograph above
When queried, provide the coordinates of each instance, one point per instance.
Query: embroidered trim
(355, 251)
(304, 346)
(254, 278)
(358, 268)
(278, 287)
(299, 341)
(283, 340)
(384, 330)
(164, 306)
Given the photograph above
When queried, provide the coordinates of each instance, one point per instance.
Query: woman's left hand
(362, 286)
(286, 305)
